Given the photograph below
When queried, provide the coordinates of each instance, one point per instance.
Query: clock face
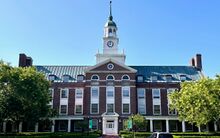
(110, 44)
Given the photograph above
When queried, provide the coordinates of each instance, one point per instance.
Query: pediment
(110, 65)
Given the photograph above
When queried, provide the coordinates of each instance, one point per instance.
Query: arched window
(95, 77)
(110, 30)
(110, 77)
(125, 77)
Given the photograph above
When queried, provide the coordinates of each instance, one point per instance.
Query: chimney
(198, 61)
(24, 61)
(192, 62)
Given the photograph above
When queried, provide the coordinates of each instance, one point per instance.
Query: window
(157, 110)
(51, 77)
(51, 92)
(182, 77)
(125, 77)
(79, 93)
(125, 92)
(110, 77)
(66, 78)
(94, 108)
(170, 112)
(156, 93)
(63, 109)
(140, 79)
(126, 108)
(95, 77)
(62, 125)
(94, 124)
(153, 78)
(110, 108)
(94, 92)
(64, 93)
(80, 78)
(110, 92)
(141, 101)
(168, 78)
(78, 109)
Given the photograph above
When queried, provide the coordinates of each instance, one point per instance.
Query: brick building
(110, 91)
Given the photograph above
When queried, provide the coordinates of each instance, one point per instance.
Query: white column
(69, 125)
(167, 125)
(199, 129)
(183, 126)
(215, 127)
(4, 126)
(20, 127)
(116, 125)
(36, 127)
(151, 125)
(53, 126)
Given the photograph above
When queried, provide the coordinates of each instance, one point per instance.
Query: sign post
(90, 124)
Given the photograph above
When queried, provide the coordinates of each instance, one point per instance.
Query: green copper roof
(147, 72)
(60, 71)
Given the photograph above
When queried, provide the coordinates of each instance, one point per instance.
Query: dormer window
(66, 78)
(125, 77)
(110, 77)
(51, 77)
(140, 78)
(168, 78)
(80, 78)
(182, 77)
(95, 77)
(154, 78)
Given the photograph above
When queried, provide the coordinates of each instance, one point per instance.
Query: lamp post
(132, 120)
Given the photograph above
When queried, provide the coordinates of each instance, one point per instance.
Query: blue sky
(152, 32)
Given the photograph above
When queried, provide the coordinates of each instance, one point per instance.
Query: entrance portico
(110, 123)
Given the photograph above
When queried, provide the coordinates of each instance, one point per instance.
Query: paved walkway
(109, 136)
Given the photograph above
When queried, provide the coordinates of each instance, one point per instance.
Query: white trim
(67, 91)
(125, 79)
(95, 87)
(125, 100)
(66, 110)
(93, 76)
(156, 99)
(113, 61)
(110, 79)
(143, 99)
(52, 96)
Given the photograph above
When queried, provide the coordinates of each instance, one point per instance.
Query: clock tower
(110, 42)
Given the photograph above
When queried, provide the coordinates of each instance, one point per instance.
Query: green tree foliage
(24, 94)
(198, 102)
(138, 122)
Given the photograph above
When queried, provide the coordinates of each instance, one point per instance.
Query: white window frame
(128, 88)
(66, 78)
(51, 77)
(154, 78)
(66, 110)
(81, 90)
(107, 107)
(170, 112)
(129, 108)
(78, 78)
(93, 76)
(95, 97)
(75, 110)
(91, 108)
(141, 77)
(110, 79)
(153, 93)
(67, 91)
(52, 96)
(124, 76)
(153, 109)
(141, 99)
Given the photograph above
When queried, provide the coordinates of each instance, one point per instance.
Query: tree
(24, 94)
(198, 102)
(138, 122)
